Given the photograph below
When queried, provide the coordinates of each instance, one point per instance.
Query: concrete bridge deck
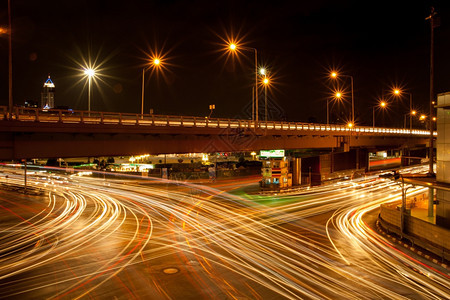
(33, 133)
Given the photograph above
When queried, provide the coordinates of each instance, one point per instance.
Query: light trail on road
(159, 239)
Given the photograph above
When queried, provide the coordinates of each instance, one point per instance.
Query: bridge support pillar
(344, 144)
(405, 157)
(296, 171)
(357, 158)
(430, 202)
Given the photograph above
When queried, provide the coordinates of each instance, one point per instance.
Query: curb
(416, 250)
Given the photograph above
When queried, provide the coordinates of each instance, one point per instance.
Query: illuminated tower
(48, 94)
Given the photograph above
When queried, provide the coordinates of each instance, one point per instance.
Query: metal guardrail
(25, 114)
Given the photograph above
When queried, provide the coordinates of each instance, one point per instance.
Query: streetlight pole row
(142, 93)
(234, 47)
(154, 63)
(328, 112)
(412, 112)
(90, 73)
(382, 105)
(335, 75)
(265, 81)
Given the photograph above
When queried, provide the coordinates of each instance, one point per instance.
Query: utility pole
(433, 24)
(10, 99)
(431, 173)
(256, 89)
(25, 174)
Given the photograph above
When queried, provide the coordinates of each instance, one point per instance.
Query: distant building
(275, 170)
(48, 94)
(275, 174)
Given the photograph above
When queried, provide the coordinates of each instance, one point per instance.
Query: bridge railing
(27, 114)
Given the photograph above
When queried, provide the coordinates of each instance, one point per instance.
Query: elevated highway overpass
(36, 133)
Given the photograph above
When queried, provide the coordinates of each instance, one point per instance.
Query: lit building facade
(275, 174)
(275, 170)
(443, 159)
(48, 94)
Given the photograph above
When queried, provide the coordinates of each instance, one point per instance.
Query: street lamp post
(338, 95)
(142, 93)
(155, 62)
(89, 94)
(381, 105)
(398, 92)
(433, 23)
(266, 83)
(373, 116)
(410, 111)
(328, 112)
(212, 107)
(234, 47)
(89, 73)
(256, 87)
(335, 75)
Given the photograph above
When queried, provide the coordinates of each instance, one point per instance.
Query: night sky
(380, 43)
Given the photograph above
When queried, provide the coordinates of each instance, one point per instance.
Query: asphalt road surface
(92, 238)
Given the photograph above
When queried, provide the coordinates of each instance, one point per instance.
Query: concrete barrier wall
(436, 235)
(390, 215)
(429, 236)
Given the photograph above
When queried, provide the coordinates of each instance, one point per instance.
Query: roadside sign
(272, 153)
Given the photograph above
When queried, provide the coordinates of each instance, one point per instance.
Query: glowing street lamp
(155, 62)
(336, 96)
(398, 92)
(335, 75)
(263, 71)
(234, 48)
(90, 73)
(382, 104)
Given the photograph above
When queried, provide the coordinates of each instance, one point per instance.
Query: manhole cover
(171, 271)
